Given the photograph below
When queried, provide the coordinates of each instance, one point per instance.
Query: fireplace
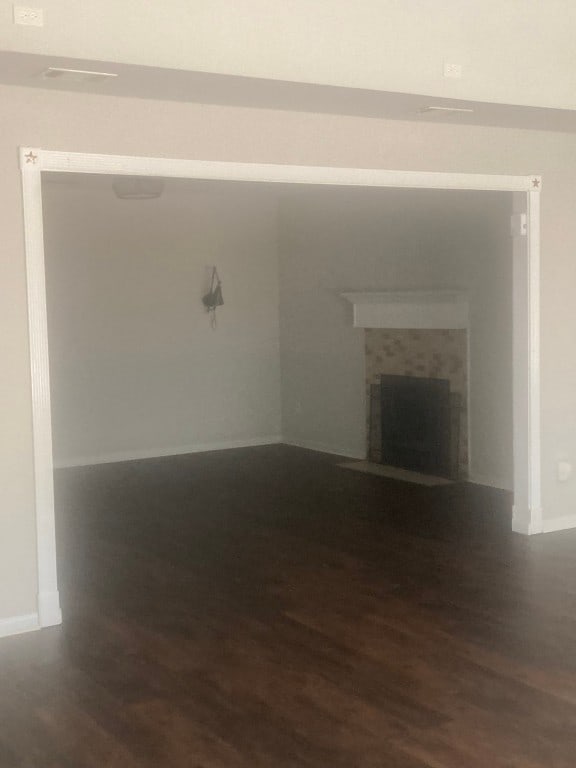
(416, 424)
(404, 357)
(419, 341)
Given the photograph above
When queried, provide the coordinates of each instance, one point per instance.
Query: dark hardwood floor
(264, 608)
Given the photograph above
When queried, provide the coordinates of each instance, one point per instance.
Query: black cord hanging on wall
(213, 298)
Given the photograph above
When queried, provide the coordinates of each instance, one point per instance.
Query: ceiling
(21, 69)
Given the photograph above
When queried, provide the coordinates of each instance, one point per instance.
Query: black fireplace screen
(416, 424)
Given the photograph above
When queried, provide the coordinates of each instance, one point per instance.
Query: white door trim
(528, 513)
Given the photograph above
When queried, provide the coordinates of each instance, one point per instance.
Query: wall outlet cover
(452, 70)
(28, 17)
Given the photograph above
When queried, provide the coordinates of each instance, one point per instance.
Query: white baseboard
(49, 613)
(349, 453)
(559, 523)
(490, 482)
(153, 453)
(523, 521)
(17, 625)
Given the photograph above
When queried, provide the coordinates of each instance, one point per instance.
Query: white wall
(512, 51)
(135, 367)
(347, 240)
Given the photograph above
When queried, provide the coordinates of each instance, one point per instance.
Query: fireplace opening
(417, 387)
(417, 425)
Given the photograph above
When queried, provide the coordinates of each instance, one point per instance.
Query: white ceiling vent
(444, 110)
(76, 75)
(137, 187)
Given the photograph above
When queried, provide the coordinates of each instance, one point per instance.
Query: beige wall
(98, 124)
(135, 366)
(512, 51)
(334, 241)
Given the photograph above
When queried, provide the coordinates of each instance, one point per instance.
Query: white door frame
(527, 517)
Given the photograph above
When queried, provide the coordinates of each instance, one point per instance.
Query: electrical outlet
(452, 70)
(28, 17)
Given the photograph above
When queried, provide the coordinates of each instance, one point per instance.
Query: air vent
(445, 110)
(138, 187)
(76, 75)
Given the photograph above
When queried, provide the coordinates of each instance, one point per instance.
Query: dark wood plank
(265, 608)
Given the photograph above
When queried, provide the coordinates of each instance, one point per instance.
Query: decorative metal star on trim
(535, 183)
(31, 158)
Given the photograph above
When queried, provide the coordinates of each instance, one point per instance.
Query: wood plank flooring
(264, 608)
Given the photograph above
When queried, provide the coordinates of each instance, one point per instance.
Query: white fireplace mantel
(409, 309)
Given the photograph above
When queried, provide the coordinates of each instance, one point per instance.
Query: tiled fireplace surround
(431, 353)
(421, 348)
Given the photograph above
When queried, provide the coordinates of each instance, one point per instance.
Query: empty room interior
(288, 384)
(140, 367)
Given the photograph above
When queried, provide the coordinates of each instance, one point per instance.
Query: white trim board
(525, 523)
(410, 309)
(155, 453)
(17, 625)
(488, 481)
(558, 523)
(78, 162)
(348, 453)
(526, 306)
